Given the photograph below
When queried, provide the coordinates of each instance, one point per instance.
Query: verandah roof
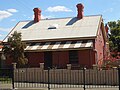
(59, 45)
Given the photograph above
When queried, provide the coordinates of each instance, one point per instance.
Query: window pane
(73, 57)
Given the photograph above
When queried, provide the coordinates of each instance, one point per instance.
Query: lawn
(5, 79)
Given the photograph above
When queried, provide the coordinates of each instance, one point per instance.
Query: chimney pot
(37, 15)
(80, 8)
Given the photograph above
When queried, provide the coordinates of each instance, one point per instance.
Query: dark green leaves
(15, 48)
(115, 35)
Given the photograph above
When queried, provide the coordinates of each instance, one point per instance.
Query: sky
(13, 11)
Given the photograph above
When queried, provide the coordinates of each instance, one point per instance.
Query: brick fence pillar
(42, 66)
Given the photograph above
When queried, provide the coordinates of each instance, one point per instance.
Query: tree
(15, 49)
(114, 42)
(114, 36)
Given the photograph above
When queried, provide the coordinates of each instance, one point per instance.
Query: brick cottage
(79, 41)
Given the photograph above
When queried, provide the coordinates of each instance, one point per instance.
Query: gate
(6, 78)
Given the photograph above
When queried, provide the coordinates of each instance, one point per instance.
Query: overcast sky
(13, 11)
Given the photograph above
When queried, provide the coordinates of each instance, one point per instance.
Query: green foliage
(15, 49)
(114, 36)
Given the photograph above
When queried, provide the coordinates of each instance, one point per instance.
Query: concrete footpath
(74, 89)
(62, 89)
(9, 87)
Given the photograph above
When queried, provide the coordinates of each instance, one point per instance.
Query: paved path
(9, 87)
(59, 89)
(71, 89)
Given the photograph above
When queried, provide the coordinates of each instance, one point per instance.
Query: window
(53, 26)
(73, 57)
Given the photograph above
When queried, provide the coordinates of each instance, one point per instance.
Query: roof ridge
(61, 18)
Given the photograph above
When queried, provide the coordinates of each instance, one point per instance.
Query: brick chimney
(106, 28)
(37, 15)
(80, 8)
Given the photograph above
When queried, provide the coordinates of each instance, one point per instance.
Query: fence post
(13, 87)
(13, 68)
(119, 76)
(48, 78)
(84, 77)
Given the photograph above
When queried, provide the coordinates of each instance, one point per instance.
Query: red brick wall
(60, 58)
(9, 61)
(35, 58)
(99, 47)
(86, 57)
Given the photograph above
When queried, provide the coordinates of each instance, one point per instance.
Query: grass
(5, 79)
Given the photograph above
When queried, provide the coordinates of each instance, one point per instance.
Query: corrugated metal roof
(59, 45)
(66, 28)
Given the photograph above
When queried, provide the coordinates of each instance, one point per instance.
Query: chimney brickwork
(106, 28)
(80, 8)
(37, 15)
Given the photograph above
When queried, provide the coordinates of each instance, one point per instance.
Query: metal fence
(62, 78)
(6, 78)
